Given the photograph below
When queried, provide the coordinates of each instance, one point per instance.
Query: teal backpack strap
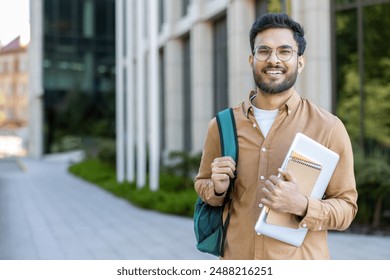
(229, 147)
(228, 133)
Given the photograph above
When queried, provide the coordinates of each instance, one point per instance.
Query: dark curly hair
(278, 21)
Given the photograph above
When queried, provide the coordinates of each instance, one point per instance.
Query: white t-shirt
(265, 119)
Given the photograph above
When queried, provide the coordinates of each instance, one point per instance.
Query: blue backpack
(210, 229)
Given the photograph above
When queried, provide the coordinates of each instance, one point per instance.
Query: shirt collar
(289, 106)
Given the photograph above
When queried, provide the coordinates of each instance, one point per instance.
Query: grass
(175, 195)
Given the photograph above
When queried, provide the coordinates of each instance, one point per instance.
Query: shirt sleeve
(204, 185)
(339, 207)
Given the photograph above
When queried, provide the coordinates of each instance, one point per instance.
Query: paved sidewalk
(46, 213)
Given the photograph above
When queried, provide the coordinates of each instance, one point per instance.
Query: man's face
(273, 75)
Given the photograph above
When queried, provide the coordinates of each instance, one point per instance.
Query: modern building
(14, 85)
(72, 70)
(179, 62)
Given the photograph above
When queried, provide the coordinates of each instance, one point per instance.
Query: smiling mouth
(274, 71)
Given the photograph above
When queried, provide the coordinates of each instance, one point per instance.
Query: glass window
(362, 99)
(184, 7)
(220, 65)
(344, 1)
(161, 17)
(105, 28)
(376, 86)
(16, 65)
(362, 61)
(79, 53)
(187, 112)
(88, 19)
(64, 23)
(347, 72)
(162, 98)
(49, 16)
(261, 7)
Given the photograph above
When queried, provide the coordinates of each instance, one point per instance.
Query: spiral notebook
(312, 165)
(306, 172)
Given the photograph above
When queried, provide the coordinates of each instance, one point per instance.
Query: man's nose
(273, 58)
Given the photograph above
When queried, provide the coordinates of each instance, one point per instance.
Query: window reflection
(363, 89)
(78, 71)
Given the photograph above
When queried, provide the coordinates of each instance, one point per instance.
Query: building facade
(14, 85)
(179, 62)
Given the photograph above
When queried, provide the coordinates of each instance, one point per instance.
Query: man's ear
(251, 61)
(301, 63)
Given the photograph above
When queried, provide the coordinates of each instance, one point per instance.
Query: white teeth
(274, 72)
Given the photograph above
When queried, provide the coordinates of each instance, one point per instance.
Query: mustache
(277, 67)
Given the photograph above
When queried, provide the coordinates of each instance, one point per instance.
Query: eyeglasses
(283, 53)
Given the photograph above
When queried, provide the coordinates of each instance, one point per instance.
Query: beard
(272, 87)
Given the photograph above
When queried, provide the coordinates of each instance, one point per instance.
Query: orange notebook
(306, 171)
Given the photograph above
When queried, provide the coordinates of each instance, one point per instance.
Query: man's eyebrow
(266, 47)
(285, 46)
(263, 47)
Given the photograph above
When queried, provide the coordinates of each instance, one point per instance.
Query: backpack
(210, 229)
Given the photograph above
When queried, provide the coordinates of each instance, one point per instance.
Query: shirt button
(261, 205)
(262, 177)
(263, 149)
(258, 233)
(319, 228)
(254, 125)
(304, 225)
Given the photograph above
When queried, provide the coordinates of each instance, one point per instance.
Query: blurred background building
(13, 85)
(72, 68)
(13, 97)
(163, 68)
(196, 52)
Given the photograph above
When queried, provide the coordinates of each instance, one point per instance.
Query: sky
(14, 19)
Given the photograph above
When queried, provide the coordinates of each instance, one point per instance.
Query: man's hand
(222, 169)
(282, 194)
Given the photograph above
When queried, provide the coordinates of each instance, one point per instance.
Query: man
(266, 125)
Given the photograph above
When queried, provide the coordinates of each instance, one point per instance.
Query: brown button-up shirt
(261, 157)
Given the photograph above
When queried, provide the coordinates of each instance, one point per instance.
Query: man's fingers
(224, 161)
(266, 192)
(220, 177)
(270, 185)
(223, 170)
(223, 165)
(286, 175)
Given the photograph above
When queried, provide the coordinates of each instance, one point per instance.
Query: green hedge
(175, 195)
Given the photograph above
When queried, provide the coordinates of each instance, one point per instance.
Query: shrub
(372, 173)
(107, 152)
(183, 164)
(175, 196)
